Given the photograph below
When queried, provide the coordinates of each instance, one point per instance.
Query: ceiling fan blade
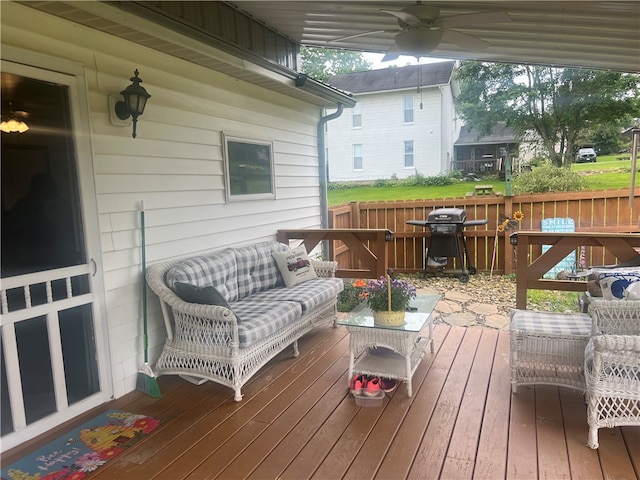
(469, 42)
(406, 17)
(372, 32)
(473, 19)
(391, 54)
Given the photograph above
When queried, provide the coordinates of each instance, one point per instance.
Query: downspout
(322, 165)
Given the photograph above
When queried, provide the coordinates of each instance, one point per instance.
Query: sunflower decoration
(510, 223)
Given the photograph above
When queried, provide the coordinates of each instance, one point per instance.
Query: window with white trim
(409, 158)
(356, 116)
(408, 108)
(249, 168)
(357, 156)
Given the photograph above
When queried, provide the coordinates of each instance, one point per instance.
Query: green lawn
(606, 173)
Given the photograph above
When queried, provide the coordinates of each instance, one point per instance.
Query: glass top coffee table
(402, 347)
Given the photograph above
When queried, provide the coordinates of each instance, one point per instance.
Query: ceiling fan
(422, 30)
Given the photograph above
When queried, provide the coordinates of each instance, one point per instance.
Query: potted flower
(388, 299)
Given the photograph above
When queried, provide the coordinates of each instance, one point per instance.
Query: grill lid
(447, 215)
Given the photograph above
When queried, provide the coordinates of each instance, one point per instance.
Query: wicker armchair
(615, 317)
(612, 371)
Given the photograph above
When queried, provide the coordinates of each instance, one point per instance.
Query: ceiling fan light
(418, 41)
(13, 125)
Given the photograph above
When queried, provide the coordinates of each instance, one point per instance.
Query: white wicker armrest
(220, 316)
(616, 317)
(613, 383)
(325, 268)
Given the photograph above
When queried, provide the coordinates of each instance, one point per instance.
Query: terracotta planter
(389, 319)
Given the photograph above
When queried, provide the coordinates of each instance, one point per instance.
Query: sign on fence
(559, 225)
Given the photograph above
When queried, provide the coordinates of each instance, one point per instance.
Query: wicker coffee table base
(387, 353)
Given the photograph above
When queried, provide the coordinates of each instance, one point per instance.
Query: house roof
(394, 78)
(500, 134)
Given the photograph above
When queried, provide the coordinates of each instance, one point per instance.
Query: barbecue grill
(447, 239)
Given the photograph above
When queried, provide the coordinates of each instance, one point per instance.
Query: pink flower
(89, 462)
(147, 424)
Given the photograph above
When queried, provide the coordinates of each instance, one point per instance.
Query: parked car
(586, 155)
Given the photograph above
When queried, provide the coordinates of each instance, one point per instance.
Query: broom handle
(144, 287)
(389, 291)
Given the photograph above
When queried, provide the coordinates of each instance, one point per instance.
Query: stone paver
(460, 319)
(457, 296)
(483, 309)
(500, 322)
(445, 307)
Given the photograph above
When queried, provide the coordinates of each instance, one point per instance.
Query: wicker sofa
(227, 340)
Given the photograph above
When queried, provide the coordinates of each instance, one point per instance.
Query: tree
(322, 63)
(560, 105)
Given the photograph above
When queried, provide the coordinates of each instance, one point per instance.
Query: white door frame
(46, 68)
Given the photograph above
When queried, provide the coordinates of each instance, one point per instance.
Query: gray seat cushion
(309, 294)
(550, 323)
(257, 269)
(258, 320)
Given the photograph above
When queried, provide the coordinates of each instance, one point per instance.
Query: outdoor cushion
(614, 281)
(203, 295)
(257, 270)
(218, 270)
(309, 294)
(295, 266)
(550, 323)
(258, 320)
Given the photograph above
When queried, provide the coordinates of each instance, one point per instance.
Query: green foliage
(552, 301)
(607, 139)
(548, 178)
(350, 297)
(421, 180)
(323, 63)
(561, 105)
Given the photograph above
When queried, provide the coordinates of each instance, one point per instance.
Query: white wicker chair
(612, 366)
(612, 370)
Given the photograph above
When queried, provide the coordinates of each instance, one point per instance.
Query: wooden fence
(489, 250)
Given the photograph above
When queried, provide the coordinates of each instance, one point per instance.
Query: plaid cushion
(257, 270)
(309, 294)
(575, 324)
(258, 320)
(218, 269)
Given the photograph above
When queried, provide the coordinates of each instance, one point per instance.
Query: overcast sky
(401, 61)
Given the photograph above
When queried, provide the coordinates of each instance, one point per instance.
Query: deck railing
(489, 250)
(531, 268)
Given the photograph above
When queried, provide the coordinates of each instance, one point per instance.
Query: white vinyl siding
(175, 165)
(383, 134)
(409, 160)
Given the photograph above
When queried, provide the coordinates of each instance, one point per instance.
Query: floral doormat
(83, 450)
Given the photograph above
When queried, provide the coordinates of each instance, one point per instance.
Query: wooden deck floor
(298, 421)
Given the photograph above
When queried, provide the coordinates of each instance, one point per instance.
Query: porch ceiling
(591, 34)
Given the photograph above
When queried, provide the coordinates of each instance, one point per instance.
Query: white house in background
(404, 123)
(214, 89)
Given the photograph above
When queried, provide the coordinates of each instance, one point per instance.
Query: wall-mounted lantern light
(135, 99)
